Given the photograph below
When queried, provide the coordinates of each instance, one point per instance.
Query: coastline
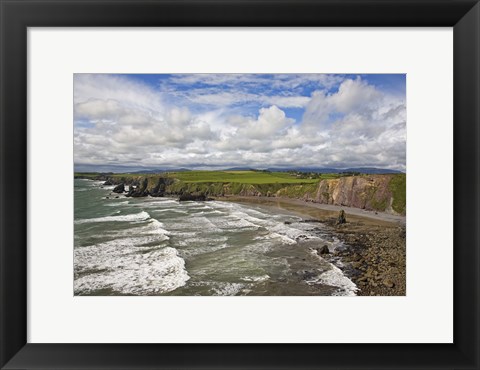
(375, 259)
(319, 210)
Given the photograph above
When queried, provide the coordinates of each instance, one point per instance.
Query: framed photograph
(251, 184)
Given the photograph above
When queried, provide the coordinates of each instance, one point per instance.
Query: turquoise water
(159, 246)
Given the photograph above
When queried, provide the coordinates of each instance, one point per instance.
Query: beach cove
(375, 259)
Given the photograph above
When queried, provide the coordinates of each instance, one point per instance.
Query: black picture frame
(18, 15)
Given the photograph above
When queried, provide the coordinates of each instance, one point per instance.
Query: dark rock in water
(323, 250)
(192, 197)
(287, 223)
(108, 182)
(309, 275)
(119, 188)
(341, 218)
(117, 197)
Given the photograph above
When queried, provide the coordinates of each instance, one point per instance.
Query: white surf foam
(198, 239)
(156, 226)
(195, 251)
(142, 216)
(153, 202)
(200, 223)
(334, 277)
(117, 203)
(126, 268)
(233, 223)
(256, 278)
(228, 289)
(153, 229)
(287, 234)
(171, 210)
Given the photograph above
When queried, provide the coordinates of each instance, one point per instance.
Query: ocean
(159, 246)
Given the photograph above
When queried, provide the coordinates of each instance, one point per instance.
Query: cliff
(385, 193)
(373, 192)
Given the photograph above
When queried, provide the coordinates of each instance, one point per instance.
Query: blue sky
(255, 120)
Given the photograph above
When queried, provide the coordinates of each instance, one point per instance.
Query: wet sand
(375, 259)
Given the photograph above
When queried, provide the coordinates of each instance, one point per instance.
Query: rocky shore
(375, 257)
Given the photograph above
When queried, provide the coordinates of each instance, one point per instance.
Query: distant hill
(158, 170)
(124, 169)
(366, 170)
(154, 170)
(371, 170)
(239, 169)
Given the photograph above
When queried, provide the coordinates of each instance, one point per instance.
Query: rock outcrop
(323, 250)
(384, 193)
(341, 218)
(119, 188)
(192, 197)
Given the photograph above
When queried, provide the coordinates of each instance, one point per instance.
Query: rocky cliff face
(385, 193)
(372, 192)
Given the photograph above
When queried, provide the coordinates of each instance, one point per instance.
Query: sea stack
(341, 218)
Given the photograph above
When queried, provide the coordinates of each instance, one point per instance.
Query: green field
(244, 177)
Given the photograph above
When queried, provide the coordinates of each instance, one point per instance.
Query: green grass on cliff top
(398, 187)
(244, 177)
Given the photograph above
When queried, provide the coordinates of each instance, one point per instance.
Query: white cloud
(270, 122)
(221, 98)
(123, 122)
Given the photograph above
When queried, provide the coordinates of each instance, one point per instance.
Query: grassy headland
(384, 193)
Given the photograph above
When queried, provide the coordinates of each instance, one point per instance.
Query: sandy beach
(375, 259)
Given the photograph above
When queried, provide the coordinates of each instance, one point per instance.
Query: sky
(217, 121)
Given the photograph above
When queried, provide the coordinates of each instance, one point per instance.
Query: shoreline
(375, 257)
(319, 209)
